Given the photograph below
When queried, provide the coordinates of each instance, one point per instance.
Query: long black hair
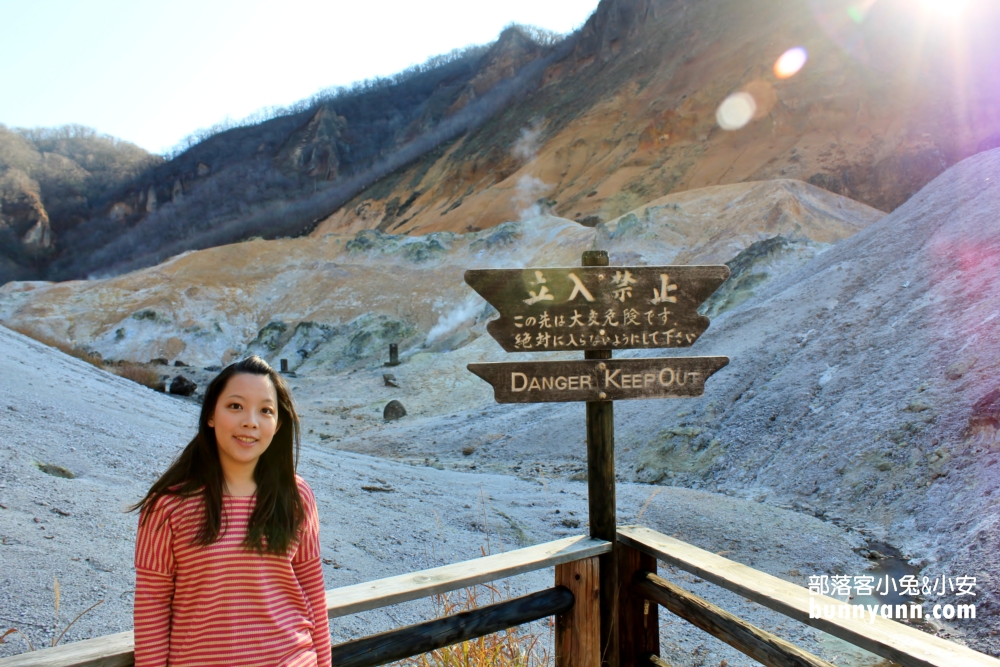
(279, 510)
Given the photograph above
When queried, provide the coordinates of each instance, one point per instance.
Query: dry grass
(55, 625)
(138, 373)
(514, 647)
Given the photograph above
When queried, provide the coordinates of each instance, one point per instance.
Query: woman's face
(245, 419)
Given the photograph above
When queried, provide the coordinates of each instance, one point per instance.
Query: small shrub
(146, 314)
(140, 374)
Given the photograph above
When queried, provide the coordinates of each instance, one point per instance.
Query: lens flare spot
(736, 111)
(790, 62)
(859, 10)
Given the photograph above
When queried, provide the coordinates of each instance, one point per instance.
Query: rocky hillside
(280, 176)
(864, 387)
(861, 389)
(339, 300)
(618, 114)
(50, 181)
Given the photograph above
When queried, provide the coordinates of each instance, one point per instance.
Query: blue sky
(153, 72)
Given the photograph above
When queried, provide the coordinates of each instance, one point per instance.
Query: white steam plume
(526, 146)
(454, 318)
(529, 190)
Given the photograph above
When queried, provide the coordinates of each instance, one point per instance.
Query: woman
(227, 557)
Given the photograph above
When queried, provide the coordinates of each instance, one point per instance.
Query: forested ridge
(110, 206)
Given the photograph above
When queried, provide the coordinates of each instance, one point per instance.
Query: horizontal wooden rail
(117, 650)
(760, 645)
(429, 636)
(107, 651)
(416, 585)
(902, 644)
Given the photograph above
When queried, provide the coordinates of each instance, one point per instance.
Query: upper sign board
(597, 307)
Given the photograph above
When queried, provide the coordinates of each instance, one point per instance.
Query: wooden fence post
(578, 631)
(639, 627)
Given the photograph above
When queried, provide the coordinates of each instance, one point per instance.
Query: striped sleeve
(309, 572)
(154, 585)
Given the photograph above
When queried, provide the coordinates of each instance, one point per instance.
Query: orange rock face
(883, 103)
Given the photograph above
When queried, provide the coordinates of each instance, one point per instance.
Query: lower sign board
(598, 379)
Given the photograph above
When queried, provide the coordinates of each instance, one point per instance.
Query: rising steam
(526, 147)
(530, 189)
(454, 318)
(530, 197)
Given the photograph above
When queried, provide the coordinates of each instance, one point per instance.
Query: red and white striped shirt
(222, 604)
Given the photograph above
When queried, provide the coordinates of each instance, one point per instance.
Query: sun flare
(790, 62)
(946, 8)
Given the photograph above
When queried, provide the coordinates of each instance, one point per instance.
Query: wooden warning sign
(597, 308)
(598, 379)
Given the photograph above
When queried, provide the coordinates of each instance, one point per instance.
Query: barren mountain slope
(862, 388)
(885, 103)
(338, 300)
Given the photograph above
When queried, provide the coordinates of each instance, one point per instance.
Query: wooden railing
(574, 600)
(899, 643)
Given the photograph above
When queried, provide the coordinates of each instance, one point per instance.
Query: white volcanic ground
(863, 388)
(116, 436)
(859, 389)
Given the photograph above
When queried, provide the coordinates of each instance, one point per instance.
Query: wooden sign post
(596, 308)
(601, 499)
